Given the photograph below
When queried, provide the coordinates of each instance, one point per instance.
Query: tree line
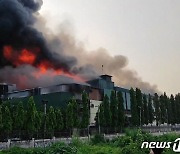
(111, 113)
(145, 109)
(159, 108)
(32, 121)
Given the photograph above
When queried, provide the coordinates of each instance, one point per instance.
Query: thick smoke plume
(31, 55)
(113, 65)
(20, 43)
(25, 57)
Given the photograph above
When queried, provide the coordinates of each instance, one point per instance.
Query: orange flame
(26, 57)
(7, 52)
(45, 67)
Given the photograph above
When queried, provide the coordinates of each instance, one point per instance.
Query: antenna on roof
(102, 69)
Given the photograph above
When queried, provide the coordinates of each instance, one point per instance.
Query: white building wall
(94, 105)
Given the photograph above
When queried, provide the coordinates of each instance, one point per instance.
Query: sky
(145, 31)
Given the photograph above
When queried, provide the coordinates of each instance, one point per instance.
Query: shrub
(61, 148)
(131, 133)
(170, 137)
(98, 138)
(132, 149)
(55, 148)
(123, 141)
(18, 150)
(76, 142)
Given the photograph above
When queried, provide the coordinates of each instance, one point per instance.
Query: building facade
(59, 95)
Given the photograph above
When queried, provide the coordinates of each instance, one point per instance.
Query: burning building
(59, 95)
(30, 60)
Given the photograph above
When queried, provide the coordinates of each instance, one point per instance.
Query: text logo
(151, 145)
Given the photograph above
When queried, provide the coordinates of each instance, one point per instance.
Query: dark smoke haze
(16, 29)
(113, 65)
(21, 27)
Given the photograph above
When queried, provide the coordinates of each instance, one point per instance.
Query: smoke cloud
(112, 65)
(31, 55)
(17, 18)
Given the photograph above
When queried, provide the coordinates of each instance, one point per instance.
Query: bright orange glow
(18, 58)
(44, 67)
(7, 52)
(26, 57)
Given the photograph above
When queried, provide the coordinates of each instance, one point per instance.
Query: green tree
(113, 110)
(157, 109)
(75, 113)
(145, 110)
(177, 102)
(107, 113)
(51, 120)
(59, 120)
(169, 111)
(69, 116)
(101, 115)
(1, 119)
(150, 110)
(120, 110)
(38, 121)
(7, 121)
(31, 116)
(99, 119)
(19, 117)
(139, 105)
(167, 107)
(64, 117)
(162, 109)
(134, 112)
(173, 107)
(85, 112)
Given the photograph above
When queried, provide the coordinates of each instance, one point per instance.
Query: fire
(24, 57)
(44, 66)
(7, 51)
(29, 57)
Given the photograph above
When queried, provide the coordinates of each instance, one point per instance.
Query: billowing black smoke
(16, 21)
(29, 59)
